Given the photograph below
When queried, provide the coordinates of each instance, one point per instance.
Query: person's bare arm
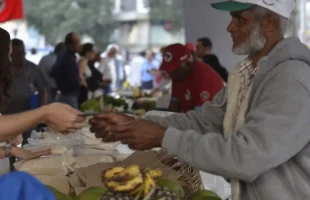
(22, 153)
(13, 125)
(60, 117)
(82, 69)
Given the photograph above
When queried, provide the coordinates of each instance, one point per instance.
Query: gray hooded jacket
(270, 154)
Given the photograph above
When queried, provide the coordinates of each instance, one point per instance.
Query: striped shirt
(247, 72)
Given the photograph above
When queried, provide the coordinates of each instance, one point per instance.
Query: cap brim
(167, 67)
(232, 6)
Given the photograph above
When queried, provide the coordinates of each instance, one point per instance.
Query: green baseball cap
(232, 6)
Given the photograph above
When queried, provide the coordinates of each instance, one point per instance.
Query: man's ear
(270, 23)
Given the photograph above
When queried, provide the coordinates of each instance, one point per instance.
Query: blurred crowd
(75, 72)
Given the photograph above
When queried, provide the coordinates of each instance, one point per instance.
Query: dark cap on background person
(173, 56)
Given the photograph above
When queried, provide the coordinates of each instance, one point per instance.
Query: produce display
(135, 183)
(204, 195)
(94, 104)
(59, 195)
(72, 169)
(91, 193)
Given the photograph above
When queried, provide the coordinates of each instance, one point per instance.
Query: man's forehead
(75, 36)
(242, 14)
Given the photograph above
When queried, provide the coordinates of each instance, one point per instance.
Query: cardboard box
(92, 175)
(60, 183)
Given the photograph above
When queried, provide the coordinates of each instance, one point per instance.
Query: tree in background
(55, 18)
(167, 11)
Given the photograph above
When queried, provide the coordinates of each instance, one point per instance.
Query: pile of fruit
(134, 182)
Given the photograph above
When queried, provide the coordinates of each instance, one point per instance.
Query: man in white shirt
(112, 68)
(136, 69)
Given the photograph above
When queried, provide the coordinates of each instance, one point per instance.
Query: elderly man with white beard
(256, 130)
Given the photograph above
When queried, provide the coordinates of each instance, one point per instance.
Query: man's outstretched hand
(100, 124)
(139, 134)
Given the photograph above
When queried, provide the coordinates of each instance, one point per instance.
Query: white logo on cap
(168, 57)
(270, 2)
(183, 58)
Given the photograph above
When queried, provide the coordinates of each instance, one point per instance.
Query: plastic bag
(48, 138)
(159, 113)
(86, 151)
(85, 161)
(56, 165)
(90, 140)
(56, 149)
(216, 184)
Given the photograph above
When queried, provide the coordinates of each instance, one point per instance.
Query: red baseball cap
(173, 56)
(191, 47)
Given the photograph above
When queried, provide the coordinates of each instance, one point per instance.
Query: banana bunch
(134, 180)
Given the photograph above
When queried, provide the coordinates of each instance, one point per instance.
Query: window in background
(128, 5)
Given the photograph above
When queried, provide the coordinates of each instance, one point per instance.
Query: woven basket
(190, 179)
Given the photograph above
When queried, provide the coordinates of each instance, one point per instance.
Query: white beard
(254, 43)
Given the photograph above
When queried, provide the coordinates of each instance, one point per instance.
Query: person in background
(46, 64)
(95, 82)
(88, 53)
(136, 69)
(33, 56)
(148, 67)
(203, 47)
(204, 52)
(193, 82)
(66, 71)
(28, 80)
(112, 68)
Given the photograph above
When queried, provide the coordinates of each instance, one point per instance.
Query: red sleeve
(207, 88)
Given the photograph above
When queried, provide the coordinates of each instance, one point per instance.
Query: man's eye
(241, 20)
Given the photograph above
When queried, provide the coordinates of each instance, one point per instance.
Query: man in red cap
(193, 82)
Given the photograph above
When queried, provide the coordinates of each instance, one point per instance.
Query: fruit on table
(110, 173)
(91, 193)
(163, 193)
(133, 180)
(171, 185)
(207, 198)
(58, 195)
(108, 100)
(92, 104)
(116, 196)
(203, 195)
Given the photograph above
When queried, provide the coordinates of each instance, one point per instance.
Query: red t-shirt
(200, 87)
